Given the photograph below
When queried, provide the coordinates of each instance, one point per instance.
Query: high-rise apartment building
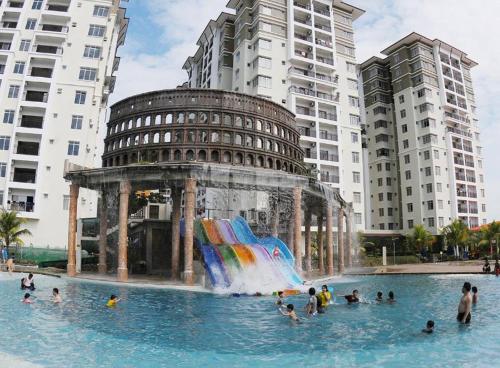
(423, 152)
(301, 54)
(57, 59)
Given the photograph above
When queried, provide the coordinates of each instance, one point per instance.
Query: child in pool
(379, 297)
(26, 299)
(281, 299)
(475, 295)
(290, 312)
(391, 299)
(429, 328)
(57, 297)
(113, 299)
(353, 298)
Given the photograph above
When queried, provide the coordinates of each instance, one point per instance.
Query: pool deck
(468, 267)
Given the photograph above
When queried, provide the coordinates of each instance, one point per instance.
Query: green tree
(419, 239)
(456, 234)
(490, 233)
(11, 228)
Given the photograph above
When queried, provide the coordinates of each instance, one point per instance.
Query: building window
(80, 97)
(440, 204)
(483, 208)
(430, 221)
(430, 205)
(76, 122)
(96, 30)
(429, 187)
(410, 224)
(381, 212)
(387, 166)
(3, 169)
(13, 91)
(408, 174)
(25, 45)
(437, 170)
(409, 206)
(380, 182)
(389, 196)
(356, 197)
(436, 154)
(439, 187)
(404, 128)
(403, 113)
(408, 191)
(358, 220)
(407, 159)
(4, 142)
(31, 23)
(388, 181)
(427, 155)
(262, 44)
(354, 119)
(354, 137)
(356, 177)
(353, 101)
(101, 11)
(262, 62)
(73, 148)
(389, 211)
(19, 67)
(428, 171)
(65, 202)
(351, 67)
(441, 221)
(8, 116)
(37, 4)
(92, 52)
(262, 81)
(379, 167)
(401, 99)
(353, 84)
(482, 193)
(380, 197)
(355, 157)
(406, 144)
(87, 74)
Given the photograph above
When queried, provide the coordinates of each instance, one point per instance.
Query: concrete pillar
(307, 236)
(103, 234)
(340, 239)
(275, 218)
(329, 240)
(189, 204)
(319, 240)
(125, 189)
(74, 190)
(297, 227)
(348, 230)
(290, 236)
(176, 220)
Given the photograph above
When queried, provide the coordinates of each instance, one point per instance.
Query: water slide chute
(214, 266)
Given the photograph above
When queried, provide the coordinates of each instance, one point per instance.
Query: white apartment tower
(57, 59)
(424, 159)
(298, 53)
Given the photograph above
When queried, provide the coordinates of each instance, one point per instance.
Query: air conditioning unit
(105, 39)
(313, 124)
(311, 103)
(313, 145)
(314, 166)
(311, 84)
(309, 48)
(310, 66)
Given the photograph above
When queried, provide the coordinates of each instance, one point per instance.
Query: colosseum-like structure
(202, 125)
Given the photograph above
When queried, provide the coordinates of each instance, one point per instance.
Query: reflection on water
(169, 328)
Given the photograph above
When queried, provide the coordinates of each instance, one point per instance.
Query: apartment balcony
(324, 60)
(36, 96)
(302, 5)
(304, 111)
(304, 54)
(472, 194)
(327, 156)
(459, 132)
(15, 4)
(303, 37)
(311, 154)
(312, 93)
(48, 49)
(306, 22)
(329, 178)
(322, 11)
(21, 206)
(23, 175)
(469, 163)
(471, 179)
(324, 43)
(457, 145)
(458, 161)
(309, 74)
(41, 72)
(462, 105)
(9, 24)
(462, 209)
(460, 176)
(53, 28)
(307, 132)
(467, 148)
(27, 148)
(323, 27)
(327, 115)
(5, 46)
(328, 136)
(454, 116)
(57, 7)
(461, 193)
(31, 122)
(449, 87)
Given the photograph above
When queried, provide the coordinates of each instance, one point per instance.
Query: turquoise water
(158, 328)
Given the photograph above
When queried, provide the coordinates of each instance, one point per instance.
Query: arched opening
(177, 155)
(203, 118)
(260, 161)
(125, 160)
(145, 138)
(238, 139)
(168, 137)
(156, 138)
(270, 163)
(178, 137)
(238, 122)
(147, 121)
(238, 158)
(168, 119)
(250, 161)
(203, 136)
(202, 155)
(190, 155)
(158, 119)
(259, 143)
(226, 158)
(191, 137)
(249, 141)
(153, 156)
(133, 159)
(165, 155)
(278, 165)
(180, 118)
(192, 118)
(215, 156)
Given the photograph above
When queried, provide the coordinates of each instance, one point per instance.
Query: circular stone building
(184, 139)
(203, 126)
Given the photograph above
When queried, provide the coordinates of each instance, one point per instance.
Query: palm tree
(456, 234)
(419, 238)
(490, 233)
(11, 228)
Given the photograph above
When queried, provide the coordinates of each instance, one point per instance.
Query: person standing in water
(475, 295)
(57, 297)
(312, 304)
(465, 305)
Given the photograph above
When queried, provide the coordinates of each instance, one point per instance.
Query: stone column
(307, 236)
(125, 189)
(348, 230)
(74, 190)
(103, 235)
(297, 227)
(329, 240)
(189, 204)
(275, 218)
(290, 236)
(176, 232)
(319, 240)
(340, 239)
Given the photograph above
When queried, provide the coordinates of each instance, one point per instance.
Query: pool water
(160, 328)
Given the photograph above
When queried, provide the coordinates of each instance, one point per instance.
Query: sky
(163, 33)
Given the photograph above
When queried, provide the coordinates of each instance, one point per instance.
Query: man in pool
(391, 299)
(379, 297)
(290, 312)
(352, 298)
(465, 305)
(429, 328)
(57, 297)
(475, 295)
(312, 304)
(113, 299)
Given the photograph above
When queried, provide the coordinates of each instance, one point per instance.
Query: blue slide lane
(214, 266)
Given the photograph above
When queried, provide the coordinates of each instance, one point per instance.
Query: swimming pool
(160, 328)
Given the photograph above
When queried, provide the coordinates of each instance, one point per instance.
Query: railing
(325, 12)
(449, 87)
(9, 24)
(48, 49)
(55, 7)
(325, 156)
(303, 6)
(312, 155)
(307, 132)
(36, 96)
(472, 194)
(327, 116)
(323, 43)
(457, 145)
(323, 27)
(304, 54)
(462, 209)
(304, 111)
(473, 210)
(471, 179)
(138, 215)
(303, 37)
(21, 206)
(450, 101)
(24, 178)
(324, 60)
(463, 105)
(5, 46)
(328, 136)
(313, 93)
(28, 121)
(456, 117)
(461, 193)
(459, 176)
(326, 177)
(469, 163)
(15, 4)
(41, 72)
(312, 74)
(459, 131)
(303, 21)
(467, 148)
(458, 161)
(53, 28)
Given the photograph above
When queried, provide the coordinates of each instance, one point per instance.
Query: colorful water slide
(243, 231)
(211, 232)
(270, 243)
(215, 266)
(226, 232)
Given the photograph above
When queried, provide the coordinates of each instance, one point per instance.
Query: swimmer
(113, 299)
(379, 297)
(464, 307)
(475, 295)
(26, 299)
(353, 298)
(312, 304)
(391, 299)
(290, 312)
(324, 299)
(28, 282)
(281, 299)
(57, 297)
(429, 328)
